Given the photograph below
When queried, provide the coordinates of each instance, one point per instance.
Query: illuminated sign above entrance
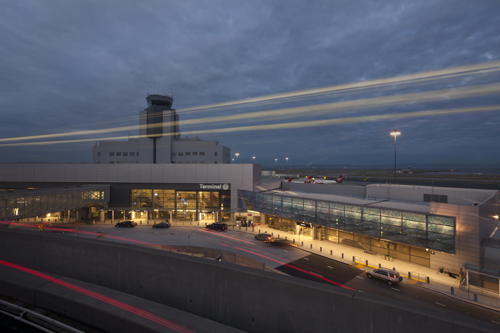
(223, 187)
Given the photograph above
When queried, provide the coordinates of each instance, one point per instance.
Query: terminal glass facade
(189, 205)
(361, 226)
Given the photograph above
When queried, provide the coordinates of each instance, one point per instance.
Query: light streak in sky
(106, 299)
(429, 75)
(292, 125)
(310, 110)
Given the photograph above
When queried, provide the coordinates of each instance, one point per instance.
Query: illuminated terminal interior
(400, 234)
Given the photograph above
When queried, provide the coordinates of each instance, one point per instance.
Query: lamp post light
(286, 159)
(395, 134)
(233, 159)
(237, 154)
(253, 158)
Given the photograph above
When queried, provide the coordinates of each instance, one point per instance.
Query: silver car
(385, 274)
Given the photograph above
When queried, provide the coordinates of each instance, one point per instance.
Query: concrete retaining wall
(247, 299)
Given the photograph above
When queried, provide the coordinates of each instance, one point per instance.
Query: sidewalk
(420, 275)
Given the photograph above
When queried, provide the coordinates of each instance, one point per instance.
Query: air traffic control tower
(159, 127)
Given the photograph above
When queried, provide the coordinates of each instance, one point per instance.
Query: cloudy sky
(71, 66)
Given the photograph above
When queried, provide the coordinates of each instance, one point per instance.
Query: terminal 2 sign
(223, 187)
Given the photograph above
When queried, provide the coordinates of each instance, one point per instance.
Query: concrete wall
(96, 312)
(240, 297)
(339, 189)
(456, 196)
(467, 245)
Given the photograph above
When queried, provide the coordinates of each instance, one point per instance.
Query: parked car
(217, 226)
(385, 274)
(161, 225)
(264, 237)
(126, 224)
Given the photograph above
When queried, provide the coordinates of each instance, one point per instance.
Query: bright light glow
(395, 133)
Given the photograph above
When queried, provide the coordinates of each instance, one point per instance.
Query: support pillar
(314, 231)
(101, 215)
(69, 215)
(112, 216)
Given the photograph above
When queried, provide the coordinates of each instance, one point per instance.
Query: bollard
(452, 291)
(379, 265)
(409, 275)
(394, 268)
(278, 235)
(366, 262)
(302, 243)
(311, 246)
(320, 249)
(272, 233)
(330, 252)
(294, 241)
(342, 256)
(353, 258)
(285, 237)
(259, 231)
(475, 298)
(428, 280)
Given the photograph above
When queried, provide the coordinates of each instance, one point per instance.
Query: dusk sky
(70, 66)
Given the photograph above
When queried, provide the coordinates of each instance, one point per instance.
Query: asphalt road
(289, 260)
(355, 278)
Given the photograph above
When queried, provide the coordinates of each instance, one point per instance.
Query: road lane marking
(440, 304)
(395, 289)
(495, 322)
(306, 259)
(360, 277)
(361, 291)
(330, 267)
(316, 274)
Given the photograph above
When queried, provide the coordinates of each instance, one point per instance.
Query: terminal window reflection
(414, 229)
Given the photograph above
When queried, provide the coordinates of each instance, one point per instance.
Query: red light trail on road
(103, 298)
(291, 266)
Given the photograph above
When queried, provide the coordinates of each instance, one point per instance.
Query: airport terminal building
(430, 226)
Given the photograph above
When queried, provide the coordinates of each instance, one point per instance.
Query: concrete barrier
(240, 297)
(93, 312)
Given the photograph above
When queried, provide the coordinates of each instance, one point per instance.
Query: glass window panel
(371, 211)
(323, 207)
(310, 205)
(355, 209)
(443, 220)
(373, 218)
(298, 203)
(391, 220)
(414, 225)
(442, 229)
(391, 213)
(414, 232)
(414, 217)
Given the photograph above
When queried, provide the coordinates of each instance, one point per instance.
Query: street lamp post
(395, 134)
(275, 161)
(286, 159)
(237, 154)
